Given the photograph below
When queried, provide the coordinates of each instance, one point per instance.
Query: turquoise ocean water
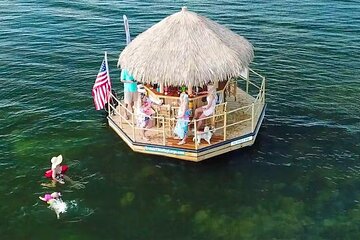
(299, 181)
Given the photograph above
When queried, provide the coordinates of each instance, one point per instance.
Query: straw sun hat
(56, 161)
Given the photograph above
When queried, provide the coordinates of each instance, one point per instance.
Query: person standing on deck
(143, 112)
(130, 90)
(181, 128)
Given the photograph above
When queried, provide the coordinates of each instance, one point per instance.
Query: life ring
(48, 173)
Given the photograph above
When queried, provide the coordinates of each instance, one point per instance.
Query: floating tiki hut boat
(186, 51)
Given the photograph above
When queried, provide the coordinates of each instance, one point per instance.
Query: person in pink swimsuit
(48, 197)
(55, 202)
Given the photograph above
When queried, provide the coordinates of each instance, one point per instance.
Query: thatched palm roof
(186, 48)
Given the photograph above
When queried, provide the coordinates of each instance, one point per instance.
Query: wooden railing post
(109, 113)
(163, 128)
(133, 126)
(247, 85)
(121, 120)
(225, 123)
(264, 82)
(252, 117)
(195, 134)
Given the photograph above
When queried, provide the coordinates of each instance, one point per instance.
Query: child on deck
(181, 128)
(144, 111)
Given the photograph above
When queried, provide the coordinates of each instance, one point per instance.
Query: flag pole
(127, 30)
(107, 67)
(108, 76)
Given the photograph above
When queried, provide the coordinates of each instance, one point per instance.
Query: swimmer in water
(55, 203)
(47, 197)
(56, 174)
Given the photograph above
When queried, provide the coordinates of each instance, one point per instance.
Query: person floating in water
(55, 202)
(56, 173)
(47, 197)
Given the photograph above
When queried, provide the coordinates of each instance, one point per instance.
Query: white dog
(206, 135)
(58, 205)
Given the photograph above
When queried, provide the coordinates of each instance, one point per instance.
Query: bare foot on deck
(181, 142)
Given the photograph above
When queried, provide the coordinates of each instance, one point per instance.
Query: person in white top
(208, 109)
(181, 127)
(143, 111)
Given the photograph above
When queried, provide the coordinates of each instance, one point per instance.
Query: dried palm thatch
(186, 49)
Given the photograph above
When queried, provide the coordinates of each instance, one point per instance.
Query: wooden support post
(133, 126)
(235, 89)
(121, 120)
(109, 108)
(246, 74)
(225, 124)
(195, 135)
(252, 117)
(163, 128)
(264, 81)
(216, 84)
(247, 85)
(190, 86)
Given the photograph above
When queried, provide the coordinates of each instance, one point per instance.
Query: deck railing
(121, 110)
(241, 120)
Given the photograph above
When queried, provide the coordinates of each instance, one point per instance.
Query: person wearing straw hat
(209, 108)
(56, 173)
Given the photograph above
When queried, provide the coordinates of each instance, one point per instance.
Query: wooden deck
(235, 123)
(156, 136)
(190, 143)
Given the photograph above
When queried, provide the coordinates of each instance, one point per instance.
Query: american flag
(102, 87)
